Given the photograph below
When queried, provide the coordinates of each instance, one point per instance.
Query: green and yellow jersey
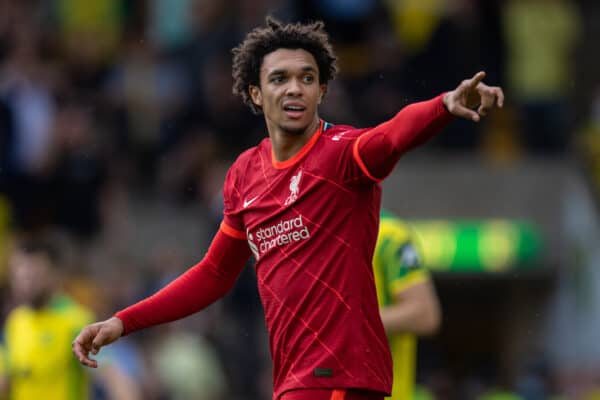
(396, 266)
(39, 362)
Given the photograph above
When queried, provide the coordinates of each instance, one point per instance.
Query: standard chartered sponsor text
(284, 232)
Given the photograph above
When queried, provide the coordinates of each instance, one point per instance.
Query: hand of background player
(93, 337)
(473, 94)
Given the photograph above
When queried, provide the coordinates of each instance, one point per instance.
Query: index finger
(474, 81)
(82, 346)
(82, 355)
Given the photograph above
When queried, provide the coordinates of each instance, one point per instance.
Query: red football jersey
(311, 223)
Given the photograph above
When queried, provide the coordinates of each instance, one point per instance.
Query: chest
(306, 190)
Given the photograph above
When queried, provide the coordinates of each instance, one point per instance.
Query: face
(31, 278)
(289, 90)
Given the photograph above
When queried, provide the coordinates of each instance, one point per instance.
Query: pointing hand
(472, 94)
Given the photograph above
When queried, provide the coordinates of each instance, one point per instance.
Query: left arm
(378, 150)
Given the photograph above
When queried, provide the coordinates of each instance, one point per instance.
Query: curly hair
(248, 56)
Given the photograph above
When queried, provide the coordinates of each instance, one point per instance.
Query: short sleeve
(405, 268)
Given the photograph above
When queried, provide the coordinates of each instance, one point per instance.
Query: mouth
(294, 111)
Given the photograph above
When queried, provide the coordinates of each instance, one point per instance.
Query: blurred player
(35, 358)
(305, 202)
(407, 299)
(38, 333)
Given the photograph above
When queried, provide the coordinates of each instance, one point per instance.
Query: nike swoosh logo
(337, 137)
(248, 202)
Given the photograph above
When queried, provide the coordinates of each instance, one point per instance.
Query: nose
(294, 87)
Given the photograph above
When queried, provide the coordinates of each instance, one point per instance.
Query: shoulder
(340, 133)
(65, 306)
(337, 156)
(237, 170)
(16, 320)
(390, 225)
(249, 157)
(18, 314)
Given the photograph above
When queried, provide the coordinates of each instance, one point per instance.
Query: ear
(255, 95)
(322, 90)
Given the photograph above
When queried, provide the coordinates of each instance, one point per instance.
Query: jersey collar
(301, 153)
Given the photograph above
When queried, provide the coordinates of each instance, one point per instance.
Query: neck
(41, 301)
(285, 143)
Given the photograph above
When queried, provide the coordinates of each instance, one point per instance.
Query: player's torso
(312, 227)
(40, 362)
(309, 209)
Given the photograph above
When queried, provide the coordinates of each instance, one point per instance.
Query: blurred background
(117, 125)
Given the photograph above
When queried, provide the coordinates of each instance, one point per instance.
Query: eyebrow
(307, 68)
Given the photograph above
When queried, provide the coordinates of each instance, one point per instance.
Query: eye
(308, 79)
(277, 79)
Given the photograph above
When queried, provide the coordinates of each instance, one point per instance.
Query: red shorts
(329, 394)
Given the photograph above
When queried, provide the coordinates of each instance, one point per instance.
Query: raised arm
(378, 150)
(194, 290)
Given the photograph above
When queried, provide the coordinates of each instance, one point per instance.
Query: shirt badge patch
(294, 188)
